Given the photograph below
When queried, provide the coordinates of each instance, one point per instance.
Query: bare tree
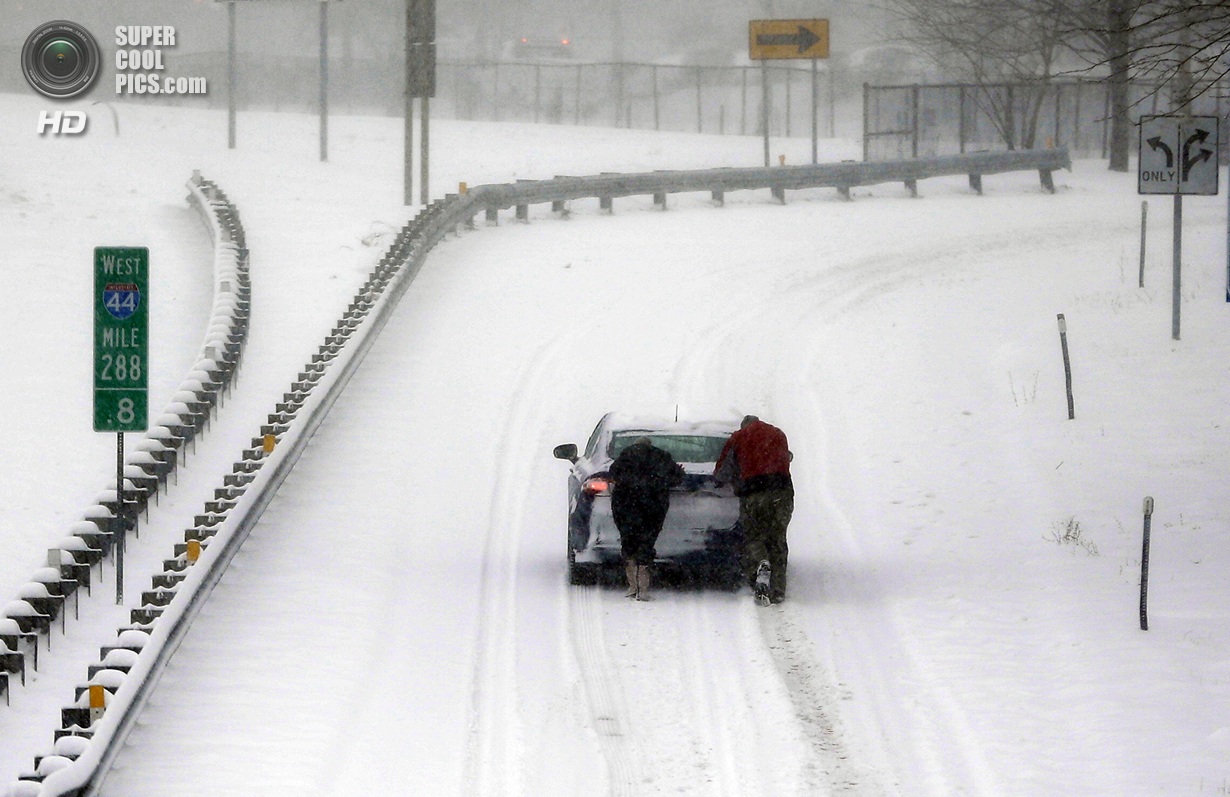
(1007, 47)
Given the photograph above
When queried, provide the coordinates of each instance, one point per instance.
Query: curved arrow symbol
(804, 39)
(1156, 143)
(1190, 160)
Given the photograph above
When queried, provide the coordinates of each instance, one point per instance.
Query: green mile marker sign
(121, 338)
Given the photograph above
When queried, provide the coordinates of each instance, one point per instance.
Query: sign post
(773, 39)
(121, 363)
(1178, 155)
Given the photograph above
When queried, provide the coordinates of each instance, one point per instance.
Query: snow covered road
(399, 621)
(417, 626)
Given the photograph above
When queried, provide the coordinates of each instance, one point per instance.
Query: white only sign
(1178, 155)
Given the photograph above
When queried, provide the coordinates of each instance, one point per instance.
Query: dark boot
(630, 574)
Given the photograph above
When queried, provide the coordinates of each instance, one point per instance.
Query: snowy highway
(399, 621)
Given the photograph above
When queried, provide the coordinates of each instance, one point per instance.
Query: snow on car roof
(626, 422)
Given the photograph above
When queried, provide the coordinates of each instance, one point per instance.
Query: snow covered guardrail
(146, 471)
(841, 176)
(198, 564)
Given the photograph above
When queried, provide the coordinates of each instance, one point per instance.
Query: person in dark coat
(640, 497)
(757, 460)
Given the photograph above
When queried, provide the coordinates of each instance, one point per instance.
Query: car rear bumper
(701, 529)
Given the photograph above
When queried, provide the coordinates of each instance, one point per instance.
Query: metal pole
(537, 90)
(656, 100)
(118, 520)
(961, 119)
(764, 107)
(424, 123)
(788, 73)
(915, 91)
(866, 120)
(408, 114)
(743, 114)
(1144, 219)
(1144, 568)
(699, 112)
(1178, 267)
(815, 119)
(230, 74)
(324, 80)
(832, 103)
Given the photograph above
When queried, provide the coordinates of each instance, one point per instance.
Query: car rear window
(683, 447)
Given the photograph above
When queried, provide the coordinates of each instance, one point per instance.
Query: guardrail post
(912, 187)
(719, 197)
(975, 182)
(493, 216)
(523, 213)
(779, 193)
(659, 200)
(605, 203)
(1048, 184)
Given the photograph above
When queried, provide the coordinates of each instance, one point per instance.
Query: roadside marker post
(121, 363)
(1144, 568)
(1067, 364)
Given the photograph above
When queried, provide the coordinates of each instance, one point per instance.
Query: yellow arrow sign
(771, 39)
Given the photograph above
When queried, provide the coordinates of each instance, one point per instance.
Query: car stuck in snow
(701, 534)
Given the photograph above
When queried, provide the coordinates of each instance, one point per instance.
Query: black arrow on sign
(1156, 143)
(804, 39)
(1189, 161)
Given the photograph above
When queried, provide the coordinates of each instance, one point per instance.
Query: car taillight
(597, 485)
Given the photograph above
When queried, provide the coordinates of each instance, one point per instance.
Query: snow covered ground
(965, 559)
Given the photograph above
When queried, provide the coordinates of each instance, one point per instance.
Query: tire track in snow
(807, 683)
(495, 755)
(608, 707)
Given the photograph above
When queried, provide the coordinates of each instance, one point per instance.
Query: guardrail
(180, 592)
(156, 457)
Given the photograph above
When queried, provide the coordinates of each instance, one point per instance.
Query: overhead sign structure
(773, 39)
(1178, 155)
(121, 339)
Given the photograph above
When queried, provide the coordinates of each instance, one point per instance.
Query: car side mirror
(567, 451)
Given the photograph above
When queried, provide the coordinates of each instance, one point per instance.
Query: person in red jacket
(757, 460)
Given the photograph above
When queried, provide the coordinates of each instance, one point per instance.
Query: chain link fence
(929, 120)
(707, 99)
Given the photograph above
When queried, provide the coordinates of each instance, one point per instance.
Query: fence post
(699, 114)
(619, 91)
(495, 94)
(576, 102)
(656, 111)
(764, 107)
(914, 95)
(743, 119)
(1058, 112)
(1076, 121)
(789, 74)
(537, 90)
(866, 118)
(961, 132)
(1105, 118)
(815, 101)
